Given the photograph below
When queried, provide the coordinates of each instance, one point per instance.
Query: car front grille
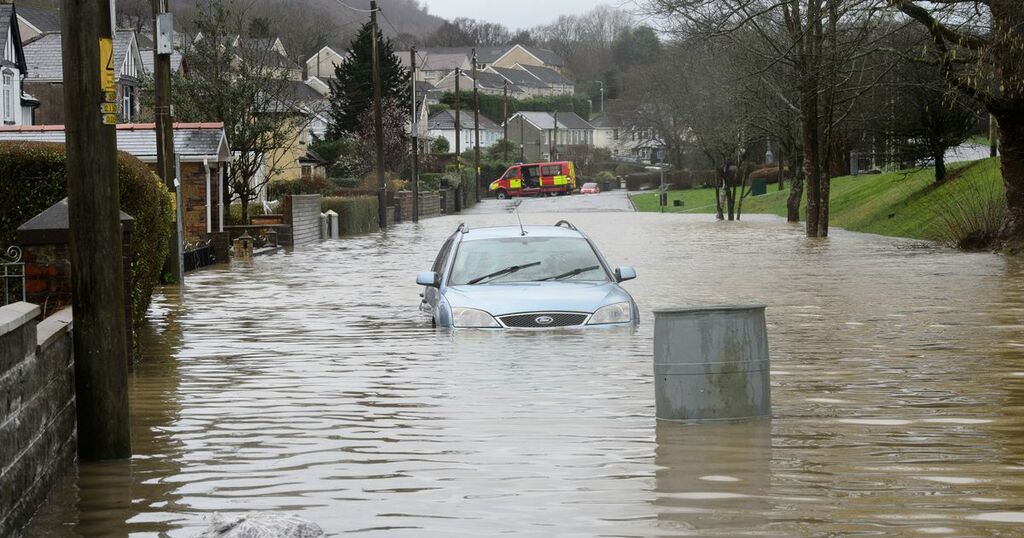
(543, 320)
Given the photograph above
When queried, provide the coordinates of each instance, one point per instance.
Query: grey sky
(514, 13)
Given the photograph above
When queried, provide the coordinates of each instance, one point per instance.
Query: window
(8, 96)
(551, 257)
(551, 170)
(127, 103)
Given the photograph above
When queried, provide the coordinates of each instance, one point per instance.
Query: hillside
(900, 204)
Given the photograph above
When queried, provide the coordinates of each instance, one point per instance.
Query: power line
(357, 9)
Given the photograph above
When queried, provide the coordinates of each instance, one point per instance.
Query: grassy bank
(901, 204)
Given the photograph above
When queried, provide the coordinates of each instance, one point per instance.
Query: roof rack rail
(461, 228)
(567, 225)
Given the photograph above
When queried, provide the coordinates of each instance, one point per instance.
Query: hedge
(356, 215)
(306, 185)
(33, 178)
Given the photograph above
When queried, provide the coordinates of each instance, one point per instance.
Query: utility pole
(476, 131)
(100, 343)
(458, 140)
(504, 116)
(163, 35)
(378, 123)
(601, 82)
(522, 138)
(415, 142)
(554, 144)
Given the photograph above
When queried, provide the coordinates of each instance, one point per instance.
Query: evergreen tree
(352, 89)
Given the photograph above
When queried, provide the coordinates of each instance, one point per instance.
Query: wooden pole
(378, 123)
(458, 140)
(173, 265)
(476, 132)
(415, 142)
(97, 279)
(554, 143)
(993, 136)
(504, 117)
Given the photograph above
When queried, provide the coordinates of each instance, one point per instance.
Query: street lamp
(601, 82)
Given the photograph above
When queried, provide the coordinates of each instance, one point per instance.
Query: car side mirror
(625, 273)
(429, 279)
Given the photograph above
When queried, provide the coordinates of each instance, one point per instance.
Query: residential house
(542, 137)
(267, 52)
(45, 79)
(488, 82)
(558, 84)
(34, 22)
(205, 157)
(17, 107)
(532, 56)
(432, 65)
(322, 64)
(442, 124)
(530, 85)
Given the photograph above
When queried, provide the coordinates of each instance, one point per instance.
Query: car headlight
(472, 318)
(613, 313)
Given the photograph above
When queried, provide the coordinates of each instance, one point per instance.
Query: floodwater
(308, 383)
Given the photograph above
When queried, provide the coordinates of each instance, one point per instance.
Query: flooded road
(308, 383)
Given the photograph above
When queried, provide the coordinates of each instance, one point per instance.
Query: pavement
(611, 201)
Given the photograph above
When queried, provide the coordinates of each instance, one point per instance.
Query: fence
(302, 212)
(13, 275)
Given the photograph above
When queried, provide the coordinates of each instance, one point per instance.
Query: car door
(431, 295)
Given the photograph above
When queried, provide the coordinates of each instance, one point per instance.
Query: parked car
(525, 277)
(590, 188)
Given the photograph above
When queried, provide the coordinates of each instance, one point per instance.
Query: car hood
(502, 299)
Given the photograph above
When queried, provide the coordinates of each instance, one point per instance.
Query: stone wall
(430, 205)
(37, 409)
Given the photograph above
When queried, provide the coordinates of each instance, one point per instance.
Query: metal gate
(13, 276)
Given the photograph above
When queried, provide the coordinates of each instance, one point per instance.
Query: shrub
(32, 178)
(430, 182)
(306, 185)
(345, 182)
(357, 214)
(440, 146)
(970, 218)
(605, 176)
(771, 173)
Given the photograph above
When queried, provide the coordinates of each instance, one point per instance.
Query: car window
(589, 185)
(557, 256)
(442, 256)
(511, 173)
(530, 171)
(552, 170)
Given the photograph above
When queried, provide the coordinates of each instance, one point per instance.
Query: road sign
(107, 79)
(108, 108)
(110, 119)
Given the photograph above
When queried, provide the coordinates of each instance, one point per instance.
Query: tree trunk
(730, 202)
(1011, 140)
(245, 210)
(940, 166)
(796, 194)
(718, 203)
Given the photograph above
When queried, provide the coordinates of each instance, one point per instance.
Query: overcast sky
(515, 14)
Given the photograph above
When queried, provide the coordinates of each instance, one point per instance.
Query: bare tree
(979, 45)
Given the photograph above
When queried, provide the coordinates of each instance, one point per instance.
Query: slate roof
(546, 120)
(149, 66)
(122, 45)
(46, 20)
(549, 57)
(445, 121)
(190, 139)
(44, 59)
(519, 77)
(546, 74)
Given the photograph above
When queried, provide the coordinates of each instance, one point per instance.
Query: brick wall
(193, 196)
(37, 410)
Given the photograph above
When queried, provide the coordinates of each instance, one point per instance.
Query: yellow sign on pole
(107, 79)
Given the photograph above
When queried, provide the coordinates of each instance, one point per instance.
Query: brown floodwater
(308, 383)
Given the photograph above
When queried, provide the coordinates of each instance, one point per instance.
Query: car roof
(504, 232)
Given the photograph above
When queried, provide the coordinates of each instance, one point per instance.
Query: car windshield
(526, 259)
(589, 185)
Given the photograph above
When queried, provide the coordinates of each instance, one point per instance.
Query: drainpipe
(209, 198)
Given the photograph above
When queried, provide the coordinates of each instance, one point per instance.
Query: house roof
(445, 121)
(45, 20)
(546, 120)
(436, 59)
(149, 66)
(549, 57)
(546, 74)
(607, 121)
(519, 77)
(195, 140)
(44, 59)
(8, 20)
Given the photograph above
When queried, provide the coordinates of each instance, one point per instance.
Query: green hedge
(307, 185)
(430, 182)
(356, 214)
(33, 178)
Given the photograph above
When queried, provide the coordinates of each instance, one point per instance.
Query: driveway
(611, 201)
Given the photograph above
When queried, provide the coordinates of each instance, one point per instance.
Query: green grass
(900, 204)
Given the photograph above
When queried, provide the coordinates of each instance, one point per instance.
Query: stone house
(205, 158)
(45, 79)
(442, 124)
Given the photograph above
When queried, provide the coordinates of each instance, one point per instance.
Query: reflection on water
(308, 383)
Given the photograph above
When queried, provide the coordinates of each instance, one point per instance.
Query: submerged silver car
(525, 277)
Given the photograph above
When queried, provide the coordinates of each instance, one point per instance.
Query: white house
(321, 65)
(17, 107)
(442, 124)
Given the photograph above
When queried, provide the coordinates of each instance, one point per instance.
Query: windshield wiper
(502, 272)
(568, 274)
